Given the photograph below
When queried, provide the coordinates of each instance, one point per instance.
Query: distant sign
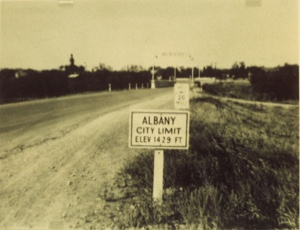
(181, 95)
(159, 129)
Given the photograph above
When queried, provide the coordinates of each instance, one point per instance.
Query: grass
(241, 171)
(234, 89)
(241, 89)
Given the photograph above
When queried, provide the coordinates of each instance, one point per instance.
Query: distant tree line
(280, 83)
(19, 85)
(237, 71)
(270, 84)
(178, 72)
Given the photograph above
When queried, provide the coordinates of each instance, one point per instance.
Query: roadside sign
(159, 129)
(181, 96)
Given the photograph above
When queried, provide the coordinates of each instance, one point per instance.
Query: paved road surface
(56, 153)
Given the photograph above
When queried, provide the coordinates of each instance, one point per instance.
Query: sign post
(158, 175)
(159, 130)
(152, 80)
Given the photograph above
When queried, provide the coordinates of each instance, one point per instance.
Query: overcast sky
(43, 34)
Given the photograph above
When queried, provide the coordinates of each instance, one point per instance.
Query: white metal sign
(159, 129)
(181, 96)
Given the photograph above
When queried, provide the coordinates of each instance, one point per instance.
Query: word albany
(158, 120)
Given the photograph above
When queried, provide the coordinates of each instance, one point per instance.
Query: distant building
(20, 73)
(73, 70)
(72, 61)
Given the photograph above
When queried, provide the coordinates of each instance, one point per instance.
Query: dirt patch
(55, 184)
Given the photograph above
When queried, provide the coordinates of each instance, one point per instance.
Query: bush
(231, 89)
(280, 84)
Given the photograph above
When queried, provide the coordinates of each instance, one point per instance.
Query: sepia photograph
(139, 114)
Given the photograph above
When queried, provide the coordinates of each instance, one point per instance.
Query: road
(55, 154)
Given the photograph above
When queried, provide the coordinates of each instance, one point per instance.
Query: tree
(238, 70)
(281, 83)
(103, 66)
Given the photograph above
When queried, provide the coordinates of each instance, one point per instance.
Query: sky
(42, 34)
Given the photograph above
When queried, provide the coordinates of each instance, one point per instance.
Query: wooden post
(109, 87)
(129, 86)
(152, 81)
(158, 175)
(174, 73)
(136, 86)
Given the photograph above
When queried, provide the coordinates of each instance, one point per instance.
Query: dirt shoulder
(54, 184)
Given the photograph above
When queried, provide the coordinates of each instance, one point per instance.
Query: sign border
(185, 147)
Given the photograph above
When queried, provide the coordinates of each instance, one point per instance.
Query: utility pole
(192, 59)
